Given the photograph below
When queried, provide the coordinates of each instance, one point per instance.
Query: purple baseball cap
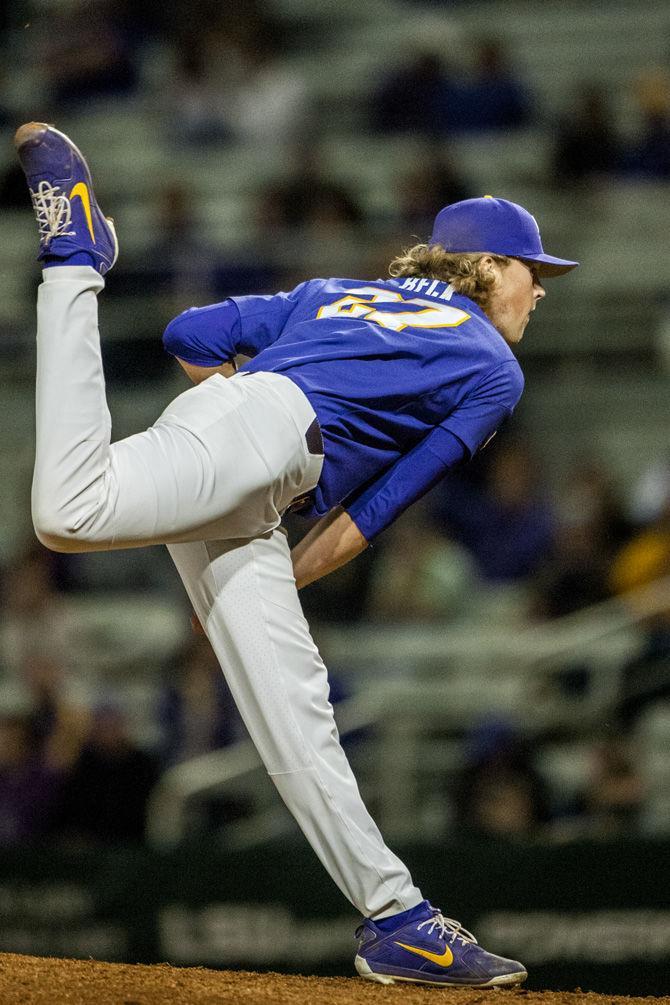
(498, 227)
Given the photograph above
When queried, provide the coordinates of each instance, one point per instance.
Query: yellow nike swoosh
(81, 190)
(444, 959)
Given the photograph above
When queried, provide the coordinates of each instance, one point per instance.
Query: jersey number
(421, 314)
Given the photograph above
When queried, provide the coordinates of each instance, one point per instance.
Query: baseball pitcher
(357, 398)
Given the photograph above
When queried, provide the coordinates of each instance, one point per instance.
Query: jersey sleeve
(263, 318)
(205, 336)
(414, 474)
(457, 438)
(208, 336)
(484, 408)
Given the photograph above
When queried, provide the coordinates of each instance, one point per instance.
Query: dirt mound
(27, 980)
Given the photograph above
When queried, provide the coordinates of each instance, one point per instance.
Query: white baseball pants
(211, 479)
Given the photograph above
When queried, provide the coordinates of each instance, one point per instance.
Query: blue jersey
(406, 377)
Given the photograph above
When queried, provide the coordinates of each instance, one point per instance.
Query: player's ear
(488, 267)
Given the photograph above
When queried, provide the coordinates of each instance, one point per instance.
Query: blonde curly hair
(463, 270)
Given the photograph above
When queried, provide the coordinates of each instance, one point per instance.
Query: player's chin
(515, 336)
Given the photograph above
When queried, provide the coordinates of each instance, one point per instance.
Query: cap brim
(547, 265)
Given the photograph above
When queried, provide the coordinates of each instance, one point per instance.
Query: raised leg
(222, 460)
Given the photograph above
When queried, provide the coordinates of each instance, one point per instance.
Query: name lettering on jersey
(431, 287)
(361, 304)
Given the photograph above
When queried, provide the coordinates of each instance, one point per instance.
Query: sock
(397, 920)
(76, 258)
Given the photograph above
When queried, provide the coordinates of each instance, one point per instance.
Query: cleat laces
(446, 927)
(52, 211)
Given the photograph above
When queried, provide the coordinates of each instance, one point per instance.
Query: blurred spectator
(648, 155)
(180, 249)
(495, 98)
(200, 89)
(589, 498)
(420, 97)
(591, 527)
(307, 199)
(639, 562)
(32, 773)
(420, 575)
(35, 620)
(178, 263)
(499, 792)
(196, 711)
(27, 784)
(506, 522)
(614, 798)
(425, 97)
(645, 557)
(646, 678)
(433, 182)
(586, 144)
(240, 20)
(651, 491)
(103, 799)
(651, 90)
(86, 54)
(574, 577)
(314, 221)
(230, 83)
(196, 714)
(45, 686)
(271, 100)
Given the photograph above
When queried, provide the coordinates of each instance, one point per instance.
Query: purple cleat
(72, 226)
(431, 949)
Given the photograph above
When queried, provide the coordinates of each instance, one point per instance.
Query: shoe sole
(30, 131)
(503, 980)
